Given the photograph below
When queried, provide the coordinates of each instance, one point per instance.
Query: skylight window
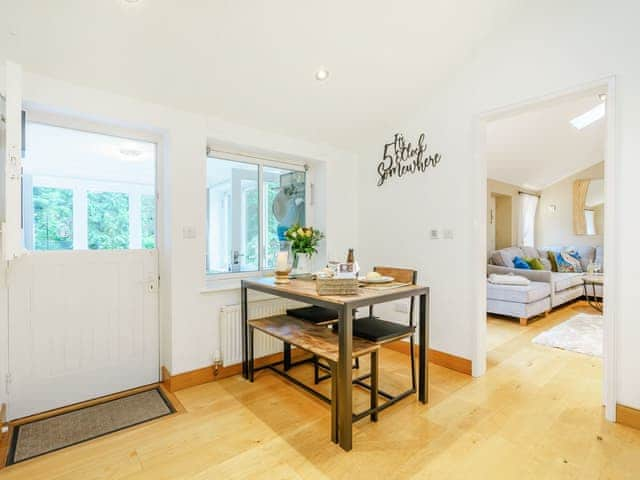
(590, 117)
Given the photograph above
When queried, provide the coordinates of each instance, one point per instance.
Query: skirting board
(436, 357)
(628, 416)
(173, 383)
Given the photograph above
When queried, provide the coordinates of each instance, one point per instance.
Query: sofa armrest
(533, 275)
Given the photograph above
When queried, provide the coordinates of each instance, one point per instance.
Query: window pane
(108, 220)
(103, 176)
(148, 207)
(233, 216)
(53, 218)
(284, 205)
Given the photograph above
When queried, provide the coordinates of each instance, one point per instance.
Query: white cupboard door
(82, 324)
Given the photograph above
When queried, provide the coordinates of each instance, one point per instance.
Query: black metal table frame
(592, 300)
(344, 420)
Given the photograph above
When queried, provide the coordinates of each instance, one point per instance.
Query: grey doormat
(53, 433)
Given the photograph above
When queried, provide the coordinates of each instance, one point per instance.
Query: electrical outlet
(448, 234)
(188, 232)
(401, 307)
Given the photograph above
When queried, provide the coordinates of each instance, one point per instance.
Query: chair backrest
(402, 275)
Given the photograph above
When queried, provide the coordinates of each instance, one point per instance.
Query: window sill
(227, 282)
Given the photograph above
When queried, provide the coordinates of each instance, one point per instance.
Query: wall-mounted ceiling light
(322, 74)
(590, 117)
(602, 97)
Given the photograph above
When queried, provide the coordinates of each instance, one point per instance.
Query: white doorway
(83, 303)
(609, 314)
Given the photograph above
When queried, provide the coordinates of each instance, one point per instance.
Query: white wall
(189, 318)
(552, 47)
(556, 228)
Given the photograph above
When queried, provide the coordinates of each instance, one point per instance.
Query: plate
(382, 279)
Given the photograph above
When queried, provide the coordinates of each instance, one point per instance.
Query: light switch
(434, 233)
(189, 232)
(448, 234)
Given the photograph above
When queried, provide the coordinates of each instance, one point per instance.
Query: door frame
(611, 229)
(82, 122)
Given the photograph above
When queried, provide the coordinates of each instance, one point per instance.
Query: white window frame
(134, 194)
(261, 162)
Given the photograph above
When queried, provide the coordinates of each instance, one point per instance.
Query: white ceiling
(253, 63)
(538, 146)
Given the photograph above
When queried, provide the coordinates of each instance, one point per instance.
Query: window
(590, 222)
(53, 218)
(528, 207)
(85, 190)
(250, 205)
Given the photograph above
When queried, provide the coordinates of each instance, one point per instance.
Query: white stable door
(82, 324)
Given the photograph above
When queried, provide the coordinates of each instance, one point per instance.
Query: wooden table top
(319, 340)
(306, 289)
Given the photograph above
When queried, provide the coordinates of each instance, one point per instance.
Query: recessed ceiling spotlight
(602, 97)
(322, 74)
(131, 1)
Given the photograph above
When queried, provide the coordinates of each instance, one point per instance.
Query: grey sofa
(525, 302)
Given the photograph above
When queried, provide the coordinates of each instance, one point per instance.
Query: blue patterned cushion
(568, 263)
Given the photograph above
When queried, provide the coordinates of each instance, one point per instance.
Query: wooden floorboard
(536, 414)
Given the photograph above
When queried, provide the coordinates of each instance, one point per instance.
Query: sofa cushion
(505, 256)
(562, 281)
(521, 263)
(568, 263)
(518, 293)
(587, 255)
(535, 263)
(546, 264)
(530, 252)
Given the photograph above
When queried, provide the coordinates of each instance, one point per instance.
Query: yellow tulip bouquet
(304, 240)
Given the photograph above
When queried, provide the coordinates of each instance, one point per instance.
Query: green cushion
(534, 263)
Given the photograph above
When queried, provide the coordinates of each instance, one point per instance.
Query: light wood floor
(535, 415)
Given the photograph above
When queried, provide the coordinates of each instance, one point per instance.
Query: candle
(282, 262)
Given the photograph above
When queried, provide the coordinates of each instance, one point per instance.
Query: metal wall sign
(400, 158)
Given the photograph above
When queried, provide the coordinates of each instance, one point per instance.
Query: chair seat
(377, 330)
(314, 314)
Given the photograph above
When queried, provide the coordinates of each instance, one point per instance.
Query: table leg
(373, 401)
(245, 328)
(345, 411)
(423, 366)
(334, 403)
(287, 356)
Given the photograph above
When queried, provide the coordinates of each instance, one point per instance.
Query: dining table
(305, 291)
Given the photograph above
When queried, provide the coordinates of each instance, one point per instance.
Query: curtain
(527, 224)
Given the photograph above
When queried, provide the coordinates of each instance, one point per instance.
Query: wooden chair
(381, 332)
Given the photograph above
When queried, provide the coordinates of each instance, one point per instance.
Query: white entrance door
(82, 324)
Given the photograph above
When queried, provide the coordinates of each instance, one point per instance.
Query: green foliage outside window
(53, 218)
(148, 207)
(108, 220)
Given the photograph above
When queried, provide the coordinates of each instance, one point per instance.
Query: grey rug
(53, 433)
(582, 333)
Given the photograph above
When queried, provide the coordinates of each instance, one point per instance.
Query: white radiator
(231, 329)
